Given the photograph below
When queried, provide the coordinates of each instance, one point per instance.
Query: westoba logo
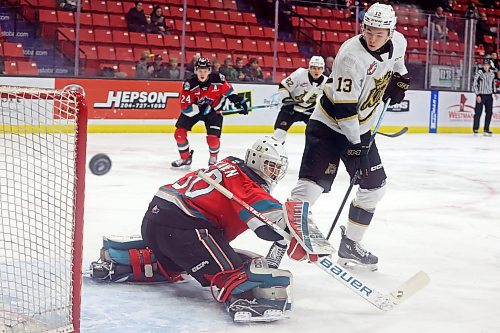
(136, 100)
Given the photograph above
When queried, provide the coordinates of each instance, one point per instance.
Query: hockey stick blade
(395, 135)
(384, 302)
(409, 288)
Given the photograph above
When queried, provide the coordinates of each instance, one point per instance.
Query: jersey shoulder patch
(191, 83)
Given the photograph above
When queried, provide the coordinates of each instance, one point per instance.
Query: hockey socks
(180, 136)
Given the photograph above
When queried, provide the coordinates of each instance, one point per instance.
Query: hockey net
(42, 174)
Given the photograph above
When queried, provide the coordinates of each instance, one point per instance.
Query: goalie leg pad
(122, 261)
(260, 293)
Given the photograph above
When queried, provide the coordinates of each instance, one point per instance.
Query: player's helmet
(316, 61)
(380, 16)
(202, 63)
(268, 159)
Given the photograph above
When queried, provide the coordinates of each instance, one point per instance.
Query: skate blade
(355, 265)
(182, 167)
(268, 316)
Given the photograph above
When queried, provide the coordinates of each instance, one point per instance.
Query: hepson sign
(136, 100)
(128, 99)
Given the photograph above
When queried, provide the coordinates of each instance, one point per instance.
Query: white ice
(441, 214)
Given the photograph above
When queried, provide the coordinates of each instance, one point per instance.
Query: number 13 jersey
(357, 84)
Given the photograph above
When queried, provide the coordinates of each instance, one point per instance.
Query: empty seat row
(20, 67)
(319, 12)
(103, 52)
(104, 36)
(124, 6)
(11, 50)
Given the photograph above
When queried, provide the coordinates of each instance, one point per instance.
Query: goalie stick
(380, 300)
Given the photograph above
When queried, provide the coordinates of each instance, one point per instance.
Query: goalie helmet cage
(42, 177)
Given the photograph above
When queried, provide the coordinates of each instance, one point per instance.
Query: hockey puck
(100, 164)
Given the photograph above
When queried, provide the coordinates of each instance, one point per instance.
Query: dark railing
(302, 29)
(68, 53)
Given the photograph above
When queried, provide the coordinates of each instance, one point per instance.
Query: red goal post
(43, 135)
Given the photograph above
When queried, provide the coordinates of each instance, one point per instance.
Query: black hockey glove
(288, 104)
(359, 154)
(398, 85)
(239, 103)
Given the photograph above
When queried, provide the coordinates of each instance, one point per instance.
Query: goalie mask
(268, 159)
(380, 16)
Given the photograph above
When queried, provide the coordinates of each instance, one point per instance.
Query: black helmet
(203, 63)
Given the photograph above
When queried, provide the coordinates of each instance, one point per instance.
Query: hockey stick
(382, 301)
(395, 135)
(356, 175)
(262, 106)
(305, 98)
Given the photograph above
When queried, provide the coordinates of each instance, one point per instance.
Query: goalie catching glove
(398, 85)
(239, 102)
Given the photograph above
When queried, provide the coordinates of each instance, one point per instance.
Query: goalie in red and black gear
(189, 225)
(202, 99)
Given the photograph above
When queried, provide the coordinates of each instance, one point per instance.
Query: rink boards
(137, 106)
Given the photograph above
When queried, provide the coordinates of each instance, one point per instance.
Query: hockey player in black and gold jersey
(299, 92)
(368, 69)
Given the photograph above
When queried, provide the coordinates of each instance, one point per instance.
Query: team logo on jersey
(372, 68)
(375, 95)
(331, 169)
(155, 210)
(187, 86)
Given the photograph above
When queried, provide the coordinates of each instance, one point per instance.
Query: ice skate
(256, 310)
(475, 132)
(212, 160)
(488, 133)
(352, 252)
(182, 162)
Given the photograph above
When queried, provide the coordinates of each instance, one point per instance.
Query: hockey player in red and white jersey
(298, 93)
(203, 97)
(368, 69)
(189, 225)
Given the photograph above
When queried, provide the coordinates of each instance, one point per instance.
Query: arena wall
(120, 106)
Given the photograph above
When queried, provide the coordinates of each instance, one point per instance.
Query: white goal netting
(40, 139)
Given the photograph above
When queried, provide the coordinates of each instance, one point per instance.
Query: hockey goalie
(189, 225)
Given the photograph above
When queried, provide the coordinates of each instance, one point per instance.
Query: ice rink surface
(440, 214)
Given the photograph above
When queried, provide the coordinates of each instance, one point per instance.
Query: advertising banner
(256, 94)
(413, 111)
(127, 99)
(456, 109)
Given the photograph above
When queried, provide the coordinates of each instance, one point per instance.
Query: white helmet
(380, 16)
(268, 159)
(317, 61)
